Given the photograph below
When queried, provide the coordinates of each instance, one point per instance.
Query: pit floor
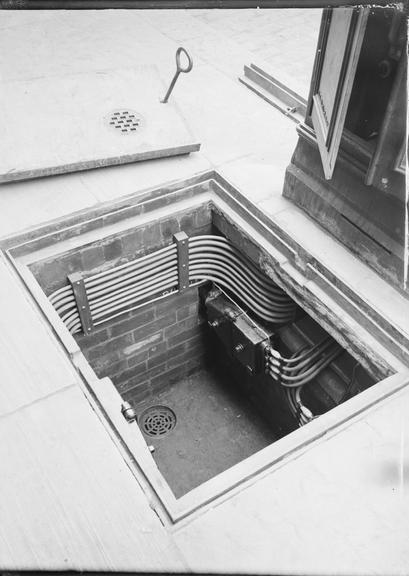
(216, 428)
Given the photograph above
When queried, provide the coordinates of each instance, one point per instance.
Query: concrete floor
(216, 428)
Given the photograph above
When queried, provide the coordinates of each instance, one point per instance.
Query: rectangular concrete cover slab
(77, 122)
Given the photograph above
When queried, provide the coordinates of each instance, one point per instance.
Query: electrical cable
(351, 383)
(115, 291)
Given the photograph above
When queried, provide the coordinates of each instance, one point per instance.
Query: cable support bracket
(81, 299)
(181, 240)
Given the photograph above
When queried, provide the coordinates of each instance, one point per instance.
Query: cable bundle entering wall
(299, 369)
(123, 288)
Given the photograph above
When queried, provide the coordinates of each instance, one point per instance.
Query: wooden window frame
(329, 130)
(385, 158)
(401, 161)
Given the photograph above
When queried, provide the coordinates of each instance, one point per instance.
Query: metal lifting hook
(179, 69)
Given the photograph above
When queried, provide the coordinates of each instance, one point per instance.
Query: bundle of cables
(299, 369)
(128, 286)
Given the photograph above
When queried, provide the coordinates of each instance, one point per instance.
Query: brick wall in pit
(149, 348)
(156, 344)
(115, 249)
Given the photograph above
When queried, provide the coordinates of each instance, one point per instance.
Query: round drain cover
(157, 420)
(125, 121)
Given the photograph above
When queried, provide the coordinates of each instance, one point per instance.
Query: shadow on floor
(216, 428)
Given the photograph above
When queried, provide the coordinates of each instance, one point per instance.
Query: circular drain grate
(125, 121)
(157, 420)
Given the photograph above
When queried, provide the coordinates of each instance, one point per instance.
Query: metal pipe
(260, 312)
(61, 293)
(230, 274)
(224, 264)
(75, 326)
(62, 308)
(133, 299)
(263, 287)
(106, 319)
(215, 242)
(296, 357)
(211, 258)
(310, 358)
(211, 242)
(129, 274)
(71, 314)
(292, 382)
(155, 283)
(122, 285)
(133, 264)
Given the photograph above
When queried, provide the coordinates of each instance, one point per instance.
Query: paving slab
(69, 500)
(32, 365)
(79, 122)
(281, 41)
(340, 508)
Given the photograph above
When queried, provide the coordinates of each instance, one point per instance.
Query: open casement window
(341, 34)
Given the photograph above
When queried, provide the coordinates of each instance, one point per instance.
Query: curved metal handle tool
(179, 68)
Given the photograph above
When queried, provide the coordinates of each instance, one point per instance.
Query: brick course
(149, 348)
(156, 344)
(105, 253)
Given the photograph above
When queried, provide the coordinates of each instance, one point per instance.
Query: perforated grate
(125, 121)
(157, 421)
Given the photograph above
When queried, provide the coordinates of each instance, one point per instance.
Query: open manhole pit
(199, 345)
